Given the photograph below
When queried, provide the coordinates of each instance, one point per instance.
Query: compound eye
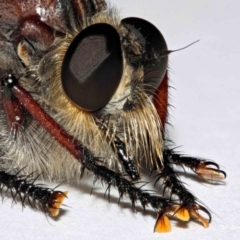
(153, 47)
(92, 67)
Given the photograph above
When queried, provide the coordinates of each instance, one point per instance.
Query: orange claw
(182, 213)
(55, 202)
(162, 225)
(208, 173)
(203, 220)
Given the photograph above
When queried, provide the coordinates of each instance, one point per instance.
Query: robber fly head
(109, 71)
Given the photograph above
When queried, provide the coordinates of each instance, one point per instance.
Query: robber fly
(85, 91)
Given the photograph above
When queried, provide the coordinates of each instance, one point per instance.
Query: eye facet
(92, 67)
(153, 50)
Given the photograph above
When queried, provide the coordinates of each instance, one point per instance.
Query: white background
(205, 119)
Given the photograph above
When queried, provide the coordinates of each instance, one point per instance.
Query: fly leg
(207, 170)
(24, 187)
(188, 204)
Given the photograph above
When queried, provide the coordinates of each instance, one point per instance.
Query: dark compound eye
(152, 52)
(92, 67)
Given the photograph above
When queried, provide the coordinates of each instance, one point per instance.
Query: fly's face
(104, 75)
(82, 90)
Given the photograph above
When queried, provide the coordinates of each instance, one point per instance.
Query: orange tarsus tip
(163, 225)
(203, 220)
(53, 211)
(55, 202)
(182, 213)
(208, 173)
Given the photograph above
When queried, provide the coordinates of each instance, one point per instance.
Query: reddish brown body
(161, 100)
